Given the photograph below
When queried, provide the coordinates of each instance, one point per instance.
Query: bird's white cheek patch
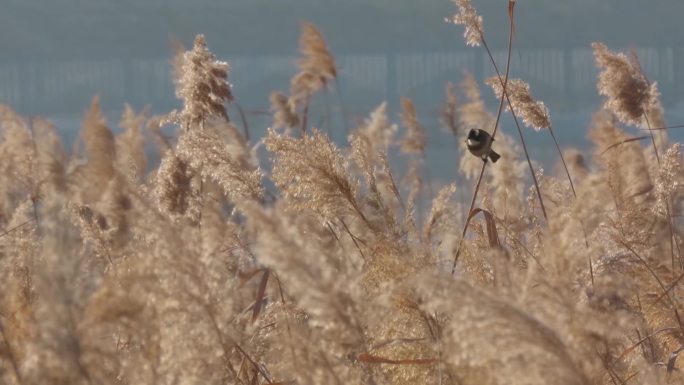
(472, 142)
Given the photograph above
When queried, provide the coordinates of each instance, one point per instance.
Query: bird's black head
(474, 134)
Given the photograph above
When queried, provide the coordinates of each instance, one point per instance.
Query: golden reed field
(322, 262)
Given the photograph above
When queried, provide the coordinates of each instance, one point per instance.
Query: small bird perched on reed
(479, 143)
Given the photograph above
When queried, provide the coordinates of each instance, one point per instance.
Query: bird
(479, 143)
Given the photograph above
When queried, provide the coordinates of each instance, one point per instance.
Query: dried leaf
(247, 275)
(625, 141)
(492, 233)
(673, 359)
(259, 300)
(372, 359)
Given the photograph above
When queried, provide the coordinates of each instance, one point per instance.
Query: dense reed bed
(326, 265)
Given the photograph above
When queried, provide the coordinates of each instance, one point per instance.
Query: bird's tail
(494, 156)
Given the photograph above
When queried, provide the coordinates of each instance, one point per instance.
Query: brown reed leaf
(373, 359)
(248, 275)
(259, 299)
(492, 233)
(628, 140)
(673, 359)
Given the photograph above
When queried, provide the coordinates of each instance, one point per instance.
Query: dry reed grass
(197, 272)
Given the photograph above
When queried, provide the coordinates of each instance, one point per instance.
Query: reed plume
(532, 112)
(626, 89)
(215, 266)
(467, 16)
(201, 85)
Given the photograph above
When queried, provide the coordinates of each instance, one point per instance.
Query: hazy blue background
(57, 54)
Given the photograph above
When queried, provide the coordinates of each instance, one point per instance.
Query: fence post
(26, 88)
(391, 85)
(678, 73)
(568, 79)
(130, 93)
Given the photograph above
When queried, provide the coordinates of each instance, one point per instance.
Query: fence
(564, 78)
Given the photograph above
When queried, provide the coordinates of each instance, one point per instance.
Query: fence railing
(564, 77)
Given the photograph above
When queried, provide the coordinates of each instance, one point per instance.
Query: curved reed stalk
(496, 127)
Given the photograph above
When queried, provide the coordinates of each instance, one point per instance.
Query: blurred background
(58, 54)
